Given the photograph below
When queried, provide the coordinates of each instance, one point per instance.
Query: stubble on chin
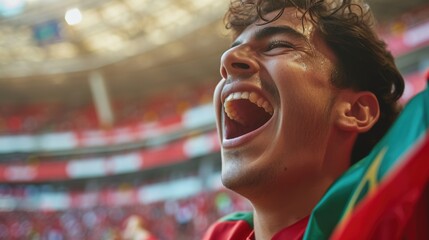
(238, 176)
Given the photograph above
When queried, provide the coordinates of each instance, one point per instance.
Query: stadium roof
(148, 45)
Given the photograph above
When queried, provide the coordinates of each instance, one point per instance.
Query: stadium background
(105, 113)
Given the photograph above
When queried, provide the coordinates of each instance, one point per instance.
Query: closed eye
(275, 47)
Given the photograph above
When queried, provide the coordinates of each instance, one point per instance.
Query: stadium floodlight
(73, 16)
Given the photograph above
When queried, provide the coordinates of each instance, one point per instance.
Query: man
(307, 89)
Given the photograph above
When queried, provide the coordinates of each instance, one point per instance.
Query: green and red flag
(399, 207)
(386, 194)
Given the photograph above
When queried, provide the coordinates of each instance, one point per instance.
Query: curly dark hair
(364, 63)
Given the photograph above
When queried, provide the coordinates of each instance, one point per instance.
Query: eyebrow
(272, 31)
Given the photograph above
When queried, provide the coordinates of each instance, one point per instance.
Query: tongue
(252, 117)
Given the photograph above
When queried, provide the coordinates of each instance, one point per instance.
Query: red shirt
(239, 226)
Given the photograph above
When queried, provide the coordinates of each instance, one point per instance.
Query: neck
(287, 205)
(285, 198)
(273, 214)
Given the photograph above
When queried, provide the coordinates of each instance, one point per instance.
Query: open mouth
(245, 112)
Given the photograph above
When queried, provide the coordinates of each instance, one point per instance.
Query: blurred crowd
(174, 219)
(48, 117)
(180, 218)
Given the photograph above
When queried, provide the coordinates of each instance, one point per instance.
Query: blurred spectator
(135, 229)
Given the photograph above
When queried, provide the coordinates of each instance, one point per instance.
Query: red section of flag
(229, 230)
(399, 208)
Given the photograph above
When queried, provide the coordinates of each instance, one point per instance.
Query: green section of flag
(237, 216)
(342, 197)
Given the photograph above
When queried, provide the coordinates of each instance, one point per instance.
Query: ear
(357, 111)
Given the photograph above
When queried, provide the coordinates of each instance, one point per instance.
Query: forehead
(291, 18)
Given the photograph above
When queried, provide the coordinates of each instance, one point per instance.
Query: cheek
(291, 62)
(304, 85)
(305, 101)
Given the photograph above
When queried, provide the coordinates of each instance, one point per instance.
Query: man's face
(274, 104)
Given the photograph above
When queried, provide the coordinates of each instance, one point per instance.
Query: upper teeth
(252, 97)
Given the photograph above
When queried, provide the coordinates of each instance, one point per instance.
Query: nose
(238, 62)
